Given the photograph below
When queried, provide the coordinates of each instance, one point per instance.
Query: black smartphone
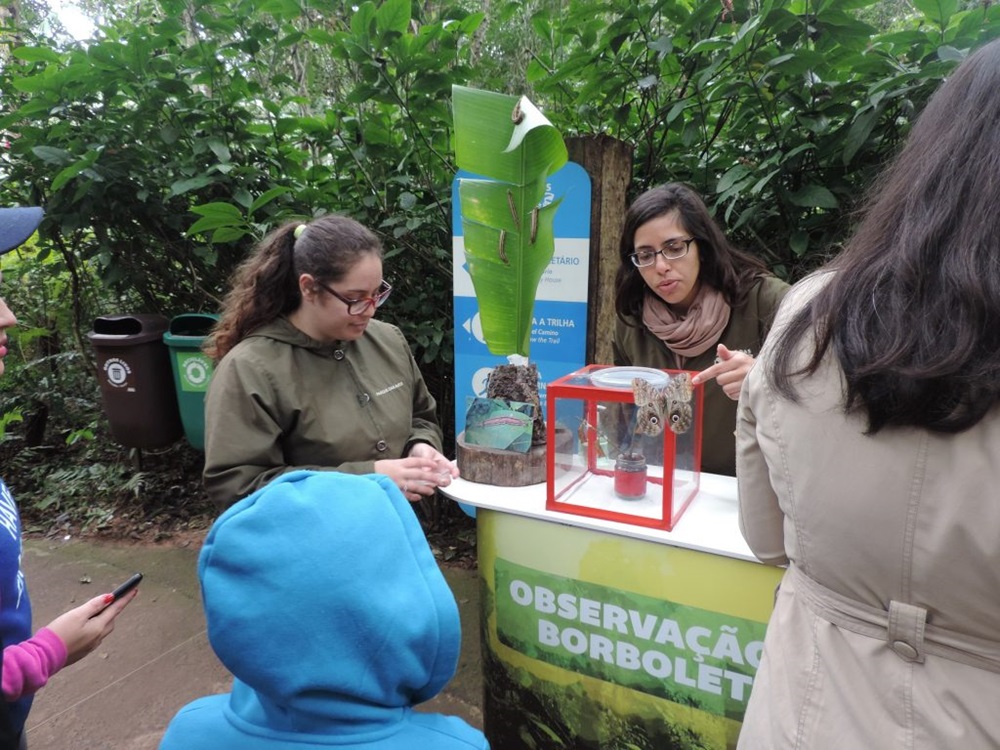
(119, 592)
(130, 584)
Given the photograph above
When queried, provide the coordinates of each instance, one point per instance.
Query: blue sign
(559, 320)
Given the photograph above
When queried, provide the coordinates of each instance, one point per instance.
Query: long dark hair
(723, 267)
(266, 284)
(912, 312)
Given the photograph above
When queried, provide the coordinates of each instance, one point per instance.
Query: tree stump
(507, 468)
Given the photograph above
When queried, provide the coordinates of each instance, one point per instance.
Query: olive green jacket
(280, 401)
(747, 329)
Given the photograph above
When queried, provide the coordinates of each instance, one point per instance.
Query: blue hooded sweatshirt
(325, 602)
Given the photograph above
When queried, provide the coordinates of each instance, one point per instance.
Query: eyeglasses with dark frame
(672, 250)
(360, 306)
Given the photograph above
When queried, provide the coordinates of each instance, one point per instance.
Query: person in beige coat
(868, 458)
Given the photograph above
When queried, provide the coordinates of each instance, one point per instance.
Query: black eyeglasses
(671, 250)
(360, 306)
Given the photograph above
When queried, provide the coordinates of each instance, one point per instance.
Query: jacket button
(364, 398)
(338, 354)
(381, 446)
(904, 649)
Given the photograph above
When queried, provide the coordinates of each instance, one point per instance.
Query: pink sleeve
(28, 665)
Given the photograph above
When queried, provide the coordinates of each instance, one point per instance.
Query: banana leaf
(509, 236)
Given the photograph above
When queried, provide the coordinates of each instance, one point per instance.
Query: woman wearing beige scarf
(687, 299)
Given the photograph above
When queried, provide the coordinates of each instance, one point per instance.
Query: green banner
(695, 657)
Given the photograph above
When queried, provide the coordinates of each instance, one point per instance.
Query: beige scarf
(694, 333)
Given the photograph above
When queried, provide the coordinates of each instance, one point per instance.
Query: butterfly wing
(680, 416)
(649, 408)
(680, 387)
(678, 412)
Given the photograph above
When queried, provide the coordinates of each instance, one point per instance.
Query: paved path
(122, 696)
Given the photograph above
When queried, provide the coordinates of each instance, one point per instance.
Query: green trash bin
(133, 370)
(192, 370)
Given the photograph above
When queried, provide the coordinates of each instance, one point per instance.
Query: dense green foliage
(780, 112)
(163, 148)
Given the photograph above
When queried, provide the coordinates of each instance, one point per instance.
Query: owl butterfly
(670, 404)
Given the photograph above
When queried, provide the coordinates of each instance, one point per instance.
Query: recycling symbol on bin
(196, 371)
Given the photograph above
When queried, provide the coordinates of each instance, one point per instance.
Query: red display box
(635, 456)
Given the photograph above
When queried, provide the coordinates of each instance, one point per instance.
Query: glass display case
(635, 456)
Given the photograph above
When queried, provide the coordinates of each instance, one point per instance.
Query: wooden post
(608, 161)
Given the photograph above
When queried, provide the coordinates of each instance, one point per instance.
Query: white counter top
(710, 523)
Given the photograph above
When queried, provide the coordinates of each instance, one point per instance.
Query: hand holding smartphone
(121, 591)
(130, 584)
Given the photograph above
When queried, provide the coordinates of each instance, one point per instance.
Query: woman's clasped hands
(421, 473)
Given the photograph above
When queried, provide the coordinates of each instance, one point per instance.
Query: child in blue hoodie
(325, 602)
